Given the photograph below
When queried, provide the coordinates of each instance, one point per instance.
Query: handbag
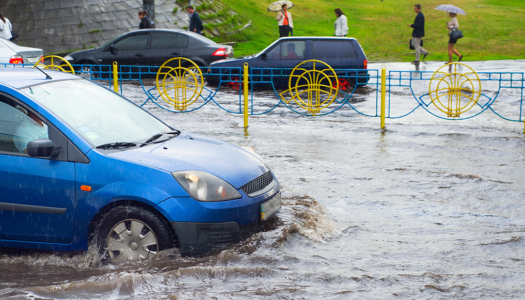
(14, 35)
(411, 46)
(456, 34)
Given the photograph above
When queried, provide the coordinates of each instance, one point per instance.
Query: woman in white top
(285, 21)
(5, 28)
(452, 24)
(341, 24)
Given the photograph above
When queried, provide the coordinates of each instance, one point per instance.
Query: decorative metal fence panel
(313, 88)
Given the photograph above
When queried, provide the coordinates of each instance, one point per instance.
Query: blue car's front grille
(220, 235)
(258, 183)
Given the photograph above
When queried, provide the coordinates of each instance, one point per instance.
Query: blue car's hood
(191, 152)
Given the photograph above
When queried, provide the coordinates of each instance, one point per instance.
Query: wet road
(428, 209)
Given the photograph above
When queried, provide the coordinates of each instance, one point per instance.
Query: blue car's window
(325, 49)
(134, 42)
(18, 127)
(96, 113)
(168, 40)
(293, 50)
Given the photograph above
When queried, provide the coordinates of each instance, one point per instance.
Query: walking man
(195, 20)
(418, 33)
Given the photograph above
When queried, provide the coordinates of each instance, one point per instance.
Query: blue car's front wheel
(132, 233)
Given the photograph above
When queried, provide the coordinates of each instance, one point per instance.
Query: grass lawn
(493, 29)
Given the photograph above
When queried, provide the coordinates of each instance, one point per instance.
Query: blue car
(345, 55)
(82, 166)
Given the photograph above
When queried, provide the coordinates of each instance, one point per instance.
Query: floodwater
(426, 209)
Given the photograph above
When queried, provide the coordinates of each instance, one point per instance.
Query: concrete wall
(63, 25)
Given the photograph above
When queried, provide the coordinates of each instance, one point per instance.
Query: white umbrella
(277, 6)
(451, 8)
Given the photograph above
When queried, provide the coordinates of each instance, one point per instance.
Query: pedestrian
(452, 25)
(144, 21)
(5, 28)
(195, 21)
(418, 33)
(285, 21)
(341, 24)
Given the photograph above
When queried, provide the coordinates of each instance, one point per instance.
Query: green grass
(493, 29)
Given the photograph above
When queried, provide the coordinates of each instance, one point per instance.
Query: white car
(11, 53)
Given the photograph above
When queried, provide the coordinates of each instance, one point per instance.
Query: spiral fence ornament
(454, 89)
(180, 82)
(313, 88)
(55, 63)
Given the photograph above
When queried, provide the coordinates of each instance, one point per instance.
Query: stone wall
(64, 25)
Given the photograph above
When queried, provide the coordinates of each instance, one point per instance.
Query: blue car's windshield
(96, 113)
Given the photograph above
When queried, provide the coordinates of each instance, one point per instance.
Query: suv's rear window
(325, 49)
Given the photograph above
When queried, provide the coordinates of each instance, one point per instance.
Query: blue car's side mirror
(42, 148)
(263, 56)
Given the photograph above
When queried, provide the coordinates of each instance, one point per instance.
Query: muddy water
(427, 209)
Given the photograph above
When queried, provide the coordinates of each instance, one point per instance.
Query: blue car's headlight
(206, 187)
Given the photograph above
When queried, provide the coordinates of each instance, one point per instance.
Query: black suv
(286, 53)
(152, 47)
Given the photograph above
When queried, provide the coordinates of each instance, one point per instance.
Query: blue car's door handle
(139, 55)
(175, 53)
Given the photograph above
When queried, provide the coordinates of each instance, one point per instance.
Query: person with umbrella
(452, 25)
(285, 21)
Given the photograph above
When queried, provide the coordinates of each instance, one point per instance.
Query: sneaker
(415, 62)
(460, 58)
(425, 56)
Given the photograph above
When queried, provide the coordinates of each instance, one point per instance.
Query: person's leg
(287, 30)
(281, 31)
(455, 51)
(416, 42)
(450, 51)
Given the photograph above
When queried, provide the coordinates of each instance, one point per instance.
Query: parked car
(153, 47)
(286, 53)
(80, 164)
(11, 53)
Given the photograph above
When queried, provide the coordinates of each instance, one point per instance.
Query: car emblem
(32, 53)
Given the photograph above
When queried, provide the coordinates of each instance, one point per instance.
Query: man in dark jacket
(195, 20)
(418, 33)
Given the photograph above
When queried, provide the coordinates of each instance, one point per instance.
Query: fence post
(383, 96)
(115, 76)
(245, 83)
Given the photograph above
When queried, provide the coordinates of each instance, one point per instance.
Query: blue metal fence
(230, 80)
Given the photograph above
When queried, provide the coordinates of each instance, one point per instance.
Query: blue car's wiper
(156, 136)
(151, 139)
(116, 145)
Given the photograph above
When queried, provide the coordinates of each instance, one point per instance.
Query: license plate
(270, 207)
(33, 59)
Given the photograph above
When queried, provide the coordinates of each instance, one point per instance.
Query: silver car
(11, 53)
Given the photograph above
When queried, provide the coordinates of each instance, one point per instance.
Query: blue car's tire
(131, 233)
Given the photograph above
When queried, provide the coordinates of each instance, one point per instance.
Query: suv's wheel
(344, 84)
(131, 233)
